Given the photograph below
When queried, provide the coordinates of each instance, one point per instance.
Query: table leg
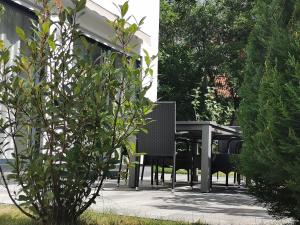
(132, 173)
(206, 158)
(194, 146)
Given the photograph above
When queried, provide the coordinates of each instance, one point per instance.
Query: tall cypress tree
(270, 109)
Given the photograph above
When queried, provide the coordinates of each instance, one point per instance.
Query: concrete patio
(222, 206)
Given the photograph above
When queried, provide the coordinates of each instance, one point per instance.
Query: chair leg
(137, 175)
(151, 171)
(174, 172)
(226, 180)
(234, 179)
(188, 175)
(143, 169)
(156, 172)
(218, 175)
(175, 176)
(126, 176)
(191, 178)
(120, 168)
(163, 171)
(192, 172)
(239, 179)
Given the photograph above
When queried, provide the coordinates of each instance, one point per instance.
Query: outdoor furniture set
(184, 145)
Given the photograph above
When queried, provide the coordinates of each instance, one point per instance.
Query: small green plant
(67, 115)
(215, 110)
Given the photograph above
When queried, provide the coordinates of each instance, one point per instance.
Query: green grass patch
(231, 174)
(168, 170)
(10, 215)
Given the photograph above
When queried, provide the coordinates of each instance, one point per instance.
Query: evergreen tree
(270, 109)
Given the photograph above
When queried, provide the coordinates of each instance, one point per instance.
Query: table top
(197, 126)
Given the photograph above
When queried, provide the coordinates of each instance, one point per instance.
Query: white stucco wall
(138, 8)
(149, 34)
(94, 24)
(150, 28)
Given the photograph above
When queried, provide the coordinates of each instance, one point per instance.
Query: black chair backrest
(223, 146)
(222, 162)
(235, 146)
(160, 138)
(230, 146)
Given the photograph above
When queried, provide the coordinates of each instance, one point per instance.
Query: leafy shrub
(68, 115)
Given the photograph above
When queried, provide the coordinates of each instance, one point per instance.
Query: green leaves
(80, 5)
(142, 21)
(77, 89)
(2, 10)
(12, 176)
(49, 195)
(200, 40)
(84, 104)
(124, 9)
(4, 54)
(270, 109)
(132, 28)
(23, 198)
(1, 45)
(123, 25)
(147, 58)
(46, 27)
(20, 32)
(52, 44)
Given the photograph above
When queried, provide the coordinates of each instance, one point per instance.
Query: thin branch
(12, 199)
(92, 199)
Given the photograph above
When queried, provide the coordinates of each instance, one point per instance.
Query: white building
(93, 24)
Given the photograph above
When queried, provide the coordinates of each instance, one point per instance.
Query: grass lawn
(231, 174)
(168, 170)
(9, 215)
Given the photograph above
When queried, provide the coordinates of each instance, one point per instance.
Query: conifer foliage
(270, 109)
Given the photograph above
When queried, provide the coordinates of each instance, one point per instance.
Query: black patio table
(203, 132)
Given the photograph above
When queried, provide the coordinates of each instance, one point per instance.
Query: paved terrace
(223, 206)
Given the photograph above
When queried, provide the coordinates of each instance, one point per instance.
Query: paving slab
(223, 206)
(232, 206)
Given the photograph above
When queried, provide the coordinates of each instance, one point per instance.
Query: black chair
(183, 161)
(184, 157)
(222, 160)
(159, 143)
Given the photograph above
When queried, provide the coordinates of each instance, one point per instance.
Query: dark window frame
(94, 42)
(33, 16)
(22, 8)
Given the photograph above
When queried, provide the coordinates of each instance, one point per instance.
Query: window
(13, 16)
(95, 50)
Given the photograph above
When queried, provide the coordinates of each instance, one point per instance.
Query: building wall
(147, 37)
(94, 24)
